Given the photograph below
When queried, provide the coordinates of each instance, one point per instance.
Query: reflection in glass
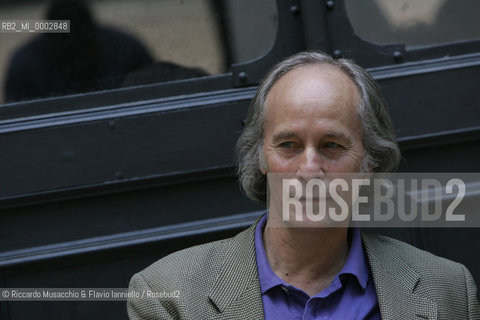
(121, 43)
(89, 58)
(413, 22)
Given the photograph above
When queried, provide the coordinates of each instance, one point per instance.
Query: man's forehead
(315, 82)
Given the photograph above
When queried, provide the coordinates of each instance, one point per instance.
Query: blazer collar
(395, 282)
(236, 290)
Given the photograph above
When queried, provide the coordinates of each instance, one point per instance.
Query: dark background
(96, 186)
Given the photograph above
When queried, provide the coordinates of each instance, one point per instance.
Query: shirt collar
(268, 279)
(355, 264)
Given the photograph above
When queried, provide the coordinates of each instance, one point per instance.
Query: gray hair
(381, 150)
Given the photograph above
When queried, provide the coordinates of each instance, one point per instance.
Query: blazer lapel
(236, 291)
(395, 283)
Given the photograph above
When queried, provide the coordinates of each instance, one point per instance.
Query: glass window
(121, 43)
(415, 22)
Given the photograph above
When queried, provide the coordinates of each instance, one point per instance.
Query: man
(312, 116)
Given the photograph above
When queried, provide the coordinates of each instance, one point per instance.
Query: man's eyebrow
(337, 135)
(284, 136)
(291, 135)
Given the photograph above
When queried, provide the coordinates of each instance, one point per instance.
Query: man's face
(312, 127)
(312, 131)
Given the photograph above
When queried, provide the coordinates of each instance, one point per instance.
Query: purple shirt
(351, 295)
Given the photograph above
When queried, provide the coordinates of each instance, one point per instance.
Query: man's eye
(332, 145)
(287, 144)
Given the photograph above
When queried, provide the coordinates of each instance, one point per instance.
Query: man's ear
(262, 163)
(263, 171)
(263, 167)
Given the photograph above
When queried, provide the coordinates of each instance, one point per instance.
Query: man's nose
(311, 164)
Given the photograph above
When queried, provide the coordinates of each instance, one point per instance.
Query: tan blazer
(219, 280)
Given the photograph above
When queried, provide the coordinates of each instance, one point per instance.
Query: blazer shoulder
(412, 253)
(426, 264)
(449, 284)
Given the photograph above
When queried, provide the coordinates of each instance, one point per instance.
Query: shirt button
(284, 289)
